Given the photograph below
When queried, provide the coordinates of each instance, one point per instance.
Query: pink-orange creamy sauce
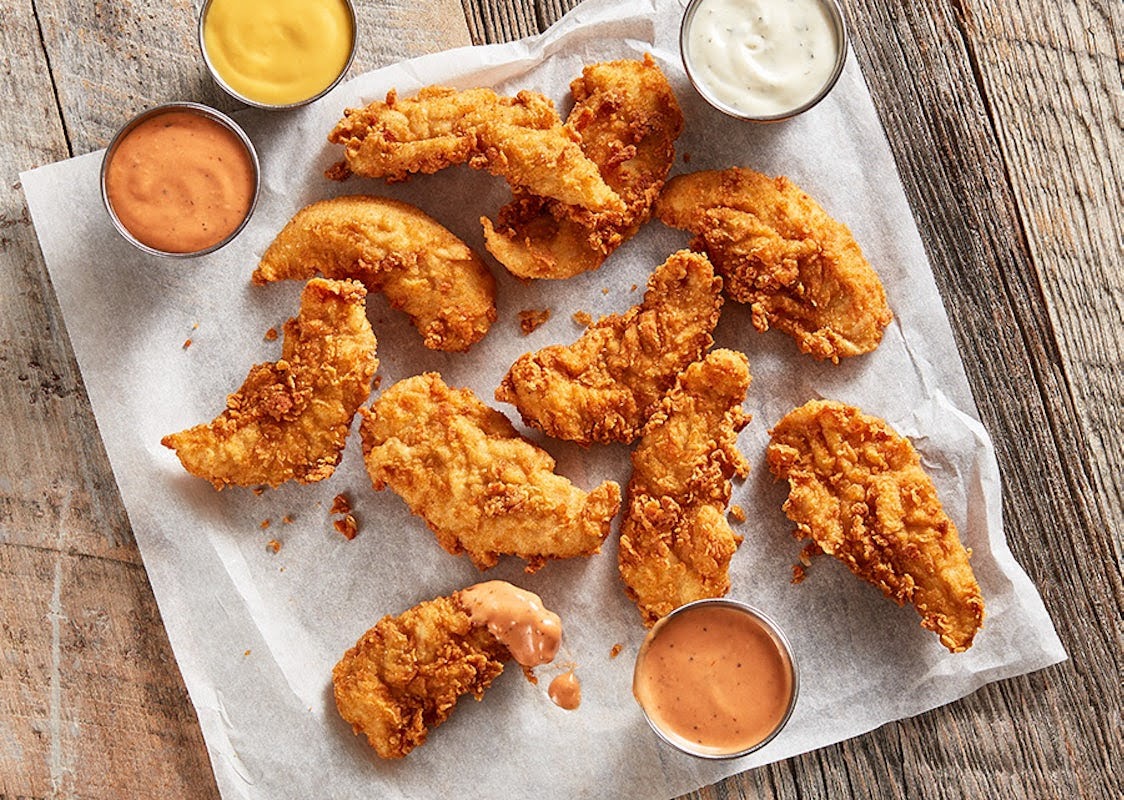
(517, 618)
(180, 182)
(715, 679)
(566, 691)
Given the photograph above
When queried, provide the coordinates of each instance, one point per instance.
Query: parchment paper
(256, 633)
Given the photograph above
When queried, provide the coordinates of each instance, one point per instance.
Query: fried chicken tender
(290, 419)
(778, 251)
(405, 675)
(858, 491)
(393, 248)
(603, 387)
(676, 543)
(519, 138)
(628, 120)
(482, 488)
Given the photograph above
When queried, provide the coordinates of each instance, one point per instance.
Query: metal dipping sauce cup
(783, 647)
(270, 106)
(191, 108)
(839, 25)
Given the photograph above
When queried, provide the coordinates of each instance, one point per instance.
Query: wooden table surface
(1006, 122)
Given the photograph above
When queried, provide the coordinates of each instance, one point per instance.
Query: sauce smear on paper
(180, 182)
(566, 691)
(715, 679)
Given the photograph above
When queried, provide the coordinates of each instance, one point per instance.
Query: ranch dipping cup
(763, 60)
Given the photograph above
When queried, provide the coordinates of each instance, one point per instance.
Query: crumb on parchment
(530, 319)
(347, 526)
(737, 513)
(582, 318)
(271, 335)
(340, 504)
(616, 650)
(274, 545)
(186, 344)
(258, 491)
(287, 519)
(265, 523)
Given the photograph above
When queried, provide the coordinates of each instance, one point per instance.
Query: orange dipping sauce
(179, 181)
(715, 680)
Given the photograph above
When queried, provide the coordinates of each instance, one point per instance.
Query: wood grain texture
(1005, 122)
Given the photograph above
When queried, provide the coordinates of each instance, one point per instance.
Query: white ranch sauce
(761, 57)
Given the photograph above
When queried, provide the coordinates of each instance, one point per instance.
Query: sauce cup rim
(164, 108)
(217, 78)
(778, 635)
(839, 21)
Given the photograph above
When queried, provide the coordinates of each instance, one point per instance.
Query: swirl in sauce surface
(762, 57)
(714, 679)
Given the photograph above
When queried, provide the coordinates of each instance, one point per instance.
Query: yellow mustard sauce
(278, 52)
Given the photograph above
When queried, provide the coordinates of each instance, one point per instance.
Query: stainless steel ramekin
(269, 106)
(839, 24)
(782, 644)
(191, 108)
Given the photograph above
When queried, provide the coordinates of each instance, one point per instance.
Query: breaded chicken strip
(482, 488)
(675, 542)
(604, 386)
(858, 491)
(628, 119)
(393, 248)
(779, 252)
(405, 675)
(519, 138)
(290, 419)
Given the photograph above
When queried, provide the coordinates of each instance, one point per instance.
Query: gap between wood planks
(51, 75)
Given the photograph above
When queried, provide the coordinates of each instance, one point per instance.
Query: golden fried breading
(604, 386)
(289, 420)
(676, 544)
(393, 248)
(482, 488)
(779, 252)
(519, 138)
(405, 675)
(628, 119)
(858, 491)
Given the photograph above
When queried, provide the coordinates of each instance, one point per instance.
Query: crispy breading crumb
(273, 545)
(686, 158)
(605, 290)
(633, 289)
(737, 513)
(246, 653)
(616, 650)
(582, 318)
(530, 319)
(377, 382)
(340, 504)
(271, 335)
(264, 524)
(347, 526)
(258, 490)
(798, 573)
(287, 519)
(186, 344)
